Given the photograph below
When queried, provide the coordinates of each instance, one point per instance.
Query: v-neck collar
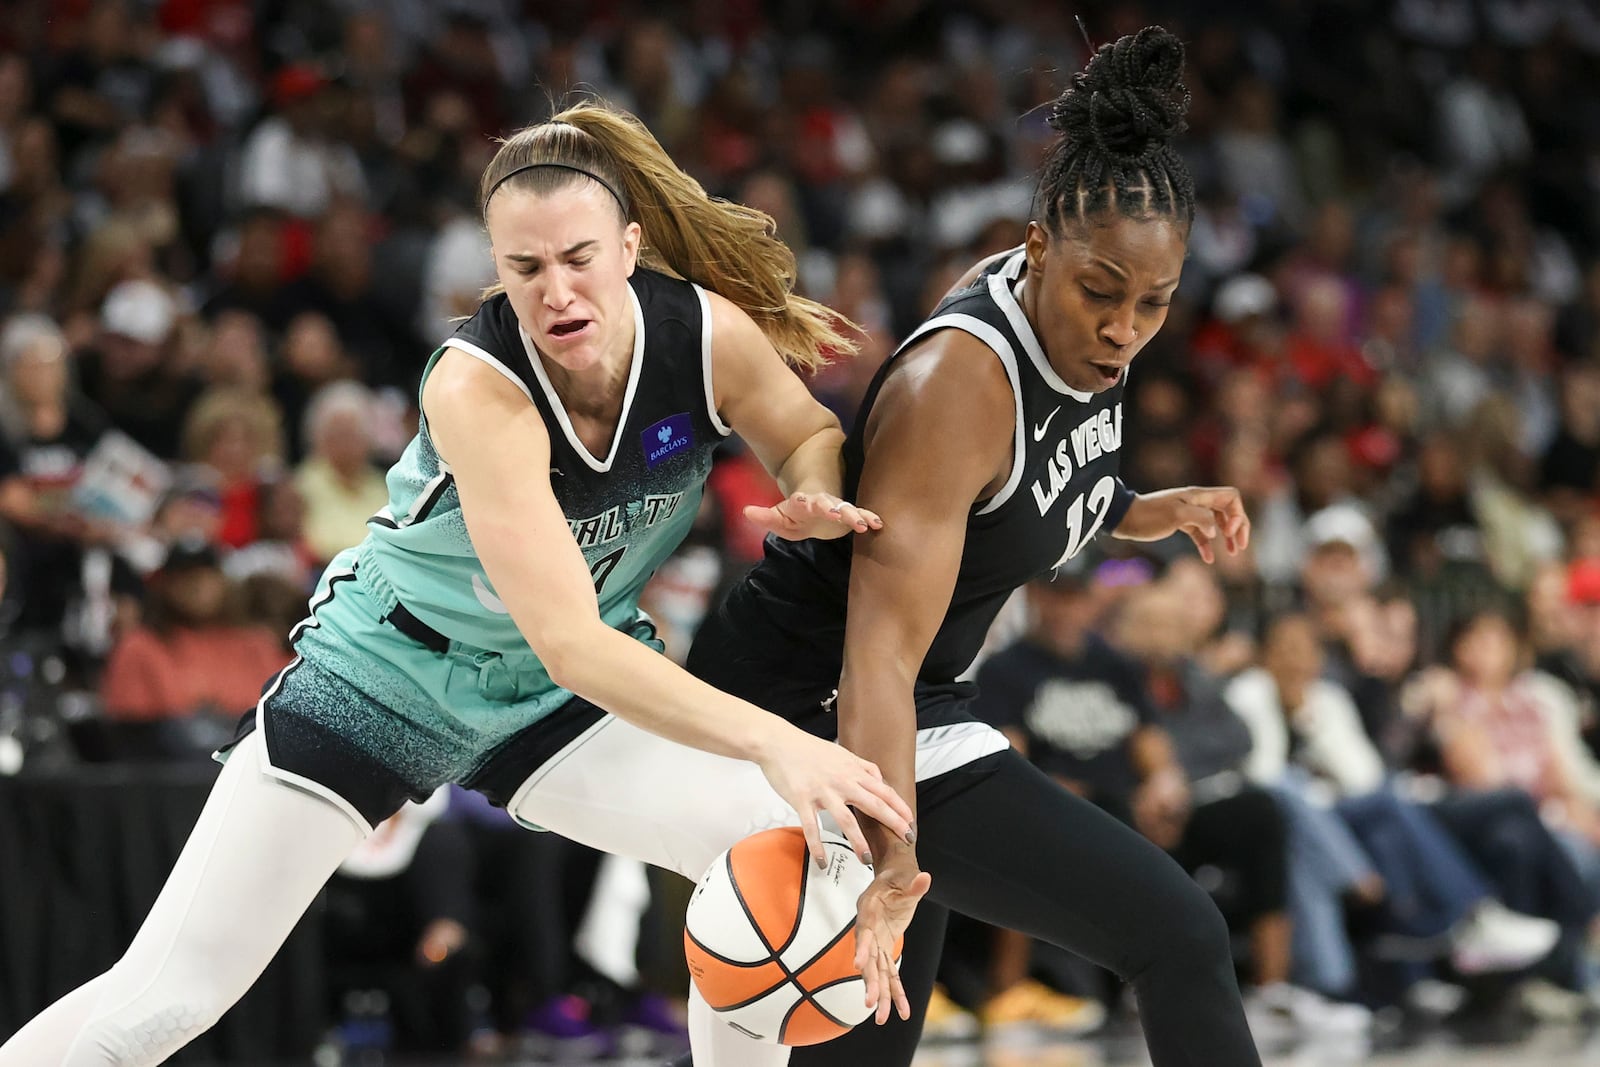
(1000, 283)
(627, 399)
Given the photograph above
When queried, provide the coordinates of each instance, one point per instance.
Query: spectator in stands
(49, 429)
(341, 487)
(236, 439)
(1306, 735)
(1498, 725)
(188, 657)
(291, 160)
(342, 286)
(251, 277)
(1569, 470)
(129, 371)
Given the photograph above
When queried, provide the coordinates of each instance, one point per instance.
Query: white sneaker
(1494, 938)
(1434, 998)
(1307, 1013)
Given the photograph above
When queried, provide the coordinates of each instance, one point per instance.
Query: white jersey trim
(705, 361)
(942, 749)
(1006, 301)
(1008, 359)
(627, 400)
(462, 345)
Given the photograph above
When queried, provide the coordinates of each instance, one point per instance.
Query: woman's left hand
(1204, 513)
(820, 515)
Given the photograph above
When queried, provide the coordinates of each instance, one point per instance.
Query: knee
(144, 1037)
(1188, 932)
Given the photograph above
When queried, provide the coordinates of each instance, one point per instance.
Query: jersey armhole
(705, 362)
(461, 344)
(996, 342)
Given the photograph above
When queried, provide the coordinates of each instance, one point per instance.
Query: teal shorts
(378, 709)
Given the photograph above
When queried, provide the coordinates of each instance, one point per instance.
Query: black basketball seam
(800, 902)
(788, 1016)
(827, 948)
(748, 914)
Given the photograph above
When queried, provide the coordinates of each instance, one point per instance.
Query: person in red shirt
(187, 657)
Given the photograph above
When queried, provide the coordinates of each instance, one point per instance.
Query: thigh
(626, 791)
(1017, 850)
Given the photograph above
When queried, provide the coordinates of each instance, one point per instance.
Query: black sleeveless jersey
(628, 508)
(1063, 490)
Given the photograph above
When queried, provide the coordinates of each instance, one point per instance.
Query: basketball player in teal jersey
(490, 620)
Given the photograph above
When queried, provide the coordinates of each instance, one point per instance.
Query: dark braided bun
(1130, 101)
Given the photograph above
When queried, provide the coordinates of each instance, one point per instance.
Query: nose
(1118, 330)
(557, 289)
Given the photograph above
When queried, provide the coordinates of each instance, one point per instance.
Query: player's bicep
(940, 431)
(757, 394)
(499, 450)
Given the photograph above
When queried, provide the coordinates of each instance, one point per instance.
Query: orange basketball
(771, 940)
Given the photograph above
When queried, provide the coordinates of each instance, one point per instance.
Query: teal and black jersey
(628, 509)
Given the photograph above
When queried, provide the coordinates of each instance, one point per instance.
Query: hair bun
(1130, 101)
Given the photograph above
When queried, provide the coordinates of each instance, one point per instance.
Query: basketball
(771, 942)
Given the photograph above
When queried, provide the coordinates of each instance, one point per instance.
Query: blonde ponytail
(727, 248)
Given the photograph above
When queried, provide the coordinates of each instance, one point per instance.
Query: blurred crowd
(232, 231)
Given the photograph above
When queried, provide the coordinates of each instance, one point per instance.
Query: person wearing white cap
(127, 372)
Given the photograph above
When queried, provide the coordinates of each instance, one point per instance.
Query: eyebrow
(529, 257)
(1117, 272)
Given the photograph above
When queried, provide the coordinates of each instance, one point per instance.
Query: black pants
(1014, 849)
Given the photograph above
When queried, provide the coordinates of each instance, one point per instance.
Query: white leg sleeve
(257, 857)
(715, 1042)
(626, 791)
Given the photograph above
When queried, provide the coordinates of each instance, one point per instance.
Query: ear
(1037, 244)
(631, 236)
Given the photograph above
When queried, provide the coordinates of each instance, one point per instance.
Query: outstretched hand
(815, 776)
(806, 515)
(883, 912)
(1205, 513)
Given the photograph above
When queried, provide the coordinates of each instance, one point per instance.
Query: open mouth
(569, 329)
(1109, 372)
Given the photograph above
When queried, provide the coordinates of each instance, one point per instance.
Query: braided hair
(1117, 121)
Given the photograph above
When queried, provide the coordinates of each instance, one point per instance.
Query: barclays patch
(667, 437)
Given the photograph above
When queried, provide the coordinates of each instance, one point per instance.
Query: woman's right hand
(883, 912)
(813, 775)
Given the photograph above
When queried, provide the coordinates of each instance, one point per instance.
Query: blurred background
(231, 233)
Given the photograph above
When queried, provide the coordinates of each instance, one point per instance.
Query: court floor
(1545, 1047)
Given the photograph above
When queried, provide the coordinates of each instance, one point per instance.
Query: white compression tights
(256, 859)
(631, 793)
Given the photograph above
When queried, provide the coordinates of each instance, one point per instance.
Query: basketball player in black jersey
(990, 443)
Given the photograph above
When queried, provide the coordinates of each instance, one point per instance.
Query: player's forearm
(878, 722)
(634, 682)
(815, 466)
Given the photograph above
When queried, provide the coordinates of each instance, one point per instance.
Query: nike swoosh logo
(487, 598)
(1038, 431)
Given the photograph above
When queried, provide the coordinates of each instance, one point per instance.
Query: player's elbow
(571, 655)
